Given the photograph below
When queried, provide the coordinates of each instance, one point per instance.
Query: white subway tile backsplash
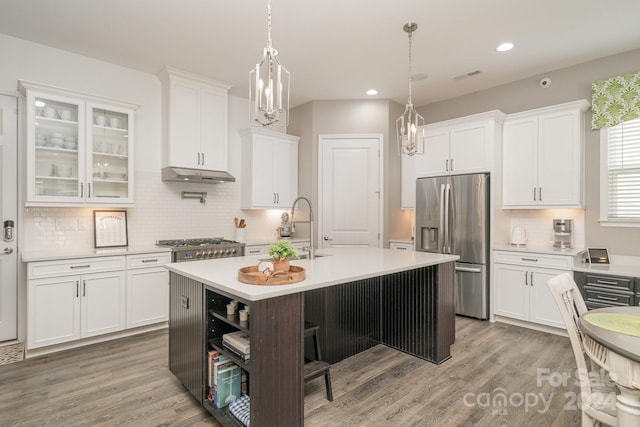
(159, 213)
(539, 224)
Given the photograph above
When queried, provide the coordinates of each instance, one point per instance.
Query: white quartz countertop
(249, 242)
(68, 253)
(630, 270)
(341, 265)
(539, 249)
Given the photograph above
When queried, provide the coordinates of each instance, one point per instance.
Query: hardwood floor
(127, 382)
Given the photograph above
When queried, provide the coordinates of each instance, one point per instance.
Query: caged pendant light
(409, 126)
(269, 87)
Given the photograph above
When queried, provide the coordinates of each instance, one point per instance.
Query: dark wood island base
(412, 311)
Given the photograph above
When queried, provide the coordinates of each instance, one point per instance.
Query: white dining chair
(597, 405)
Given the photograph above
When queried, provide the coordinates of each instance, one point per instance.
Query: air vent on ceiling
(467, 75)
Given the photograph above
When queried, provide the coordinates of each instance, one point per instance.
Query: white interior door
(8, 212)
(350, 193)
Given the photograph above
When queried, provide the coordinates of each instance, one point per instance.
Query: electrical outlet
(83, 224)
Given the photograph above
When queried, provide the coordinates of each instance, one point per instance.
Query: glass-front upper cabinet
(55, 126)
(109, 158)
(79, 149)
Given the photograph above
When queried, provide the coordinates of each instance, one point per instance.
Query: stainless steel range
(200, 249)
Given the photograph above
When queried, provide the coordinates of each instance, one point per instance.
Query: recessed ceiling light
(504, 47)
(372, 92)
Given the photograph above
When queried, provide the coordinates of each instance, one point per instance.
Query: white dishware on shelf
(63, 171)
(49, 112)
(70, 139)
(98, 146)
(101, 120)
(56, 142)
(64, 114)
(41, 142)
(115, 122)
(70, 145)
(56, 135)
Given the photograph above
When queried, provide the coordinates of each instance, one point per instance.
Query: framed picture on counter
(110, 229)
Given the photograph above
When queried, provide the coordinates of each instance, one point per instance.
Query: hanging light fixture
(269, 87)
(409, 126)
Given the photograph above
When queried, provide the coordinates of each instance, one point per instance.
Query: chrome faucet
(310, 249)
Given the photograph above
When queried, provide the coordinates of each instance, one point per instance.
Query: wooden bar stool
(317, 367)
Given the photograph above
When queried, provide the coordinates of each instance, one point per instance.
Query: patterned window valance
(615, 100)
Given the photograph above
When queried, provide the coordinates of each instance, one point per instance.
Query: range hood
(196, 175)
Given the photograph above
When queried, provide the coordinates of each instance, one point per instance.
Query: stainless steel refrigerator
(452, 217)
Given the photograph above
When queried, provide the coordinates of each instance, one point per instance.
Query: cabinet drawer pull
(150, 260)
(75, 267)
(526, 281)
(534, 194)
(77, 289)
(254, 251)
(607, 298)
(530, 259)
(607, 282)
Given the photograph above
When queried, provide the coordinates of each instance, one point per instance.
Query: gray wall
(567, 84)
(342, 117)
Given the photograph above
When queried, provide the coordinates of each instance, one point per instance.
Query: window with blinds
(621, 175)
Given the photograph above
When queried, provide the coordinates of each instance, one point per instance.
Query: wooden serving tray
(252, 276)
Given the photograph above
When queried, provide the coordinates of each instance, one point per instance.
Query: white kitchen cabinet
(79, 148)
(195, 121)
(147, 289)
(269, 169)
(543, 157)
(460, 146)
(401, 246)
(520, 286)
(255, 250)
(73, 299)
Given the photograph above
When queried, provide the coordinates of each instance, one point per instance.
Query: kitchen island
(360, 297)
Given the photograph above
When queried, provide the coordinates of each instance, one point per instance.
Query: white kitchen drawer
(74, 266)
(148, 260)
(254, 249)
(533, 259)
(401, 246)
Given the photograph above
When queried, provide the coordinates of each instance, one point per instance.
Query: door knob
(326, 238)
(8, 251)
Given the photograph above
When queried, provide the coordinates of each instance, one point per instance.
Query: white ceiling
(336, 49)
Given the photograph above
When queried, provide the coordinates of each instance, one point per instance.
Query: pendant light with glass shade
(269, 87)
(409, 126)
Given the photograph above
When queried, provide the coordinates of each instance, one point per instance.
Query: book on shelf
(227, 385)
(214, 358)
(239, 340)
(240, 354)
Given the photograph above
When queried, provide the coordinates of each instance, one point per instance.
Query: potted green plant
(281, 252)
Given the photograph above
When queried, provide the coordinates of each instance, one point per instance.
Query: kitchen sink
(301, 256)
(304, 255)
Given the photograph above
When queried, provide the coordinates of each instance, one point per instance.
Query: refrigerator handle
(442, 231)
(447, 237)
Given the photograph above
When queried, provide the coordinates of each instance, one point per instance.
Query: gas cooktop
(204, 248)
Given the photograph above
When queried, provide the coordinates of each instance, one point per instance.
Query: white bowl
(70, 138)
(56, 135)
(63, 171)
(56, 142)
(41, 142)
(70, 145)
